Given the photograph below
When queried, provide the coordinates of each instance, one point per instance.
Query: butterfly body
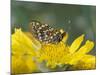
(44, 33)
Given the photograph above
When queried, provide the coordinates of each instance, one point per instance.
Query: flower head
(28, 54)
(61, 54)
(54, 54)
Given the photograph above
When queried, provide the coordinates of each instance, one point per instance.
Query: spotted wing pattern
(45, 33)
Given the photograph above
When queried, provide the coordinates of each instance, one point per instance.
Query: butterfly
(45, 33)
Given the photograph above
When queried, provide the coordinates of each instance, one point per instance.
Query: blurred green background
(74, 19)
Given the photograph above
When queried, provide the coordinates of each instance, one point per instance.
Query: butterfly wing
(45, 33)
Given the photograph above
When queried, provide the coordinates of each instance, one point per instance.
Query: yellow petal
(87, 62)
(24, 39)
(16, 63)
(89, 59)
(86, 48)
(65, 38)
(31, 64)
(76, 44)
(36, 43)
(22, 43)
(65, 35)
(23, 64)
(23, 51)
(81, 52)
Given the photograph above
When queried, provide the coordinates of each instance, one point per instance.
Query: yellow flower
(23, 52)
(29, 55)
(60, 54)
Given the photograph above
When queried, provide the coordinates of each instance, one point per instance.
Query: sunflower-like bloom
(29, 55)
(76, 55)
